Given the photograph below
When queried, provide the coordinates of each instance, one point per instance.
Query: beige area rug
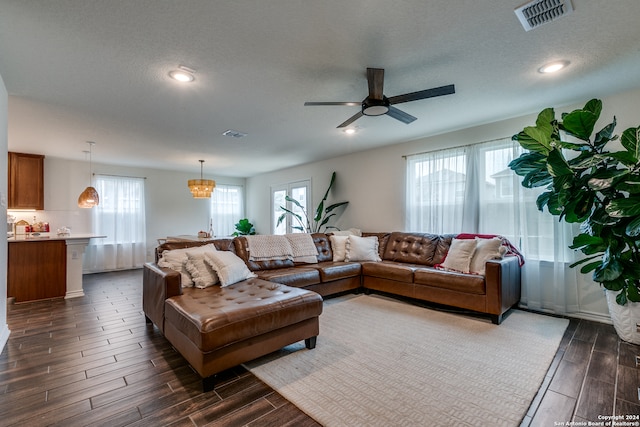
(382, 362)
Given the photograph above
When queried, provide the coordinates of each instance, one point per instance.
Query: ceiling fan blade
(375, 78)
(400, 115)
(428, 93)
(350, 120)
(306, 104)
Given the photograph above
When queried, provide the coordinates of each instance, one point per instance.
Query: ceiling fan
(376, 104)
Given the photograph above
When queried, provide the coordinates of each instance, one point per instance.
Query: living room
(371, 178)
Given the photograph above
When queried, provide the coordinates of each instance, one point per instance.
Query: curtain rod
(457, 146)
(119, 176)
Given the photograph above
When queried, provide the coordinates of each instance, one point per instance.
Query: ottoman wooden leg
(310, 342)
(208, 383)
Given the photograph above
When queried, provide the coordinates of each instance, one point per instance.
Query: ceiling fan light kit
(377, 104)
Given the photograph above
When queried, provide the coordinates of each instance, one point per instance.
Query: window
(299, 191)
(120, 216)
(227, 208)
(471, 189)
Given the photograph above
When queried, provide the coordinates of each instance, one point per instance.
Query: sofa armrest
(158, 284)
(503, 284)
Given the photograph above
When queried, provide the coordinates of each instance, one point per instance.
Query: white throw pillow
(202, 274)
(486, 249)
(339, 247)
(362, 249)
(176, 259)
(459, 255)
(229, 267)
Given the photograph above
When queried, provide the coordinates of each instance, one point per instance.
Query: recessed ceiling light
(552, 67)
(183, 74)
(350, 131)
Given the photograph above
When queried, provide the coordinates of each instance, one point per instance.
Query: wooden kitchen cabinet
(37, 270)
(26, 181)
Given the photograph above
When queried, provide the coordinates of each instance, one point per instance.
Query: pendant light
(89, 197)
(201, 188)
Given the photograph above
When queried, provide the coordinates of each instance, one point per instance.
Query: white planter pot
(624, 317)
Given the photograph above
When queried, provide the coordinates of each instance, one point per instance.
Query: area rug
(383, 362)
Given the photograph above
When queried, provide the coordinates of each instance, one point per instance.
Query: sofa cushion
(391, 270)
(292, 276)
(337, 270)
(412, 248)
(215, 317)
(467, 283)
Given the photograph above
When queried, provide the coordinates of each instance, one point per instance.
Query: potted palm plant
(323, 214)
(591, 181)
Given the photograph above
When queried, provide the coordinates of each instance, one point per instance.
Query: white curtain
(227, 208)
(494, 202)
(120, 217)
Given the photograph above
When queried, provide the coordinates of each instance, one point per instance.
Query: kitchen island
(46, 266)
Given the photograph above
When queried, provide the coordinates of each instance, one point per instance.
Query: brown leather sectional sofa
(191, 318)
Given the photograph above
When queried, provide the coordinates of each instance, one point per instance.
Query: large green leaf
(594, 106)
(630, 140)
(583, 239)
(528, 162)
(625, 207)
(621, 298)
(605, 178)
(537, 179)
(608, 271)
(541, 136)
(633, 228)
(632, 292)
(557, 164)
(580, 123)
(605, 135)
(579, 207)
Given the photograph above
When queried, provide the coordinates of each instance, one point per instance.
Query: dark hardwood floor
(94, 361)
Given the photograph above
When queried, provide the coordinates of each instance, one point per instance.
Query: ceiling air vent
(234, 133)
(538, 12)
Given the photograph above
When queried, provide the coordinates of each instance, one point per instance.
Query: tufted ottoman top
(216, 316)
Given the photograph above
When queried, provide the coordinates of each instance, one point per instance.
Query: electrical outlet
(74, 254)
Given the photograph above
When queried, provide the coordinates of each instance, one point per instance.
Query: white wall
(4, 100)
(170, 209)
(374, 181)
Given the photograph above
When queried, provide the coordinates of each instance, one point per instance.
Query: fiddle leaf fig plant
(322, 215)
(588, 181)
(244, 228)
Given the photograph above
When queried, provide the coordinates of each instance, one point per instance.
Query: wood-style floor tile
(94, 361)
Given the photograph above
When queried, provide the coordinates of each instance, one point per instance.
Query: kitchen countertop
(52, 236)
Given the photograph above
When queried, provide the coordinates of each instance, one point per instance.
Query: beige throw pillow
(176, 260)
(229, 267)
(486, 249)
(202, 274)
(339, 247)
(362, 249)
(459, 255)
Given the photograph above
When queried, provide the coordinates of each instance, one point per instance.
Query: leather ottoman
(217, 328)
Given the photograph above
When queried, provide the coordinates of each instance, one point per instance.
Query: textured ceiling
(79, 70)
